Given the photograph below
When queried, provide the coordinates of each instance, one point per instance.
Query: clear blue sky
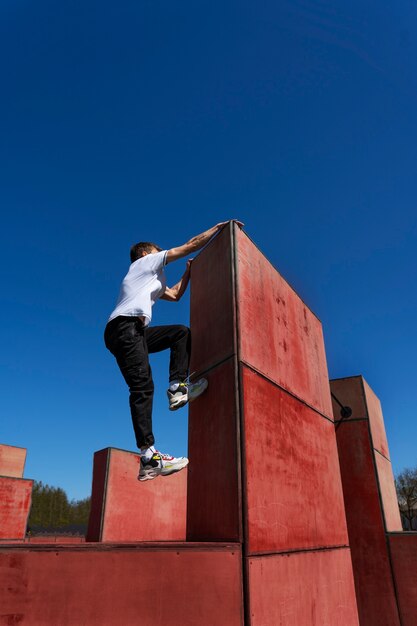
(154, 120)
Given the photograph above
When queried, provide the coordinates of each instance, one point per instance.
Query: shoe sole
(149, 475)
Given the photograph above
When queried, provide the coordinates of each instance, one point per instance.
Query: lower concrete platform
(121, 584)
(309, 588)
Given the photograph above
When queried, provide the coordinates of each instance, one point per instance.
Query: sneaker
(160, 465)
(186, 392)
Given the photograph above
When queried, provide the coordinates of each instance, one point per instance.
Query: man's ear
(144, 253)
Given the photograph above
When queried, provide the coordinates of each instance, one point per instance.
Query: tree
(406, 485)
(52, 510)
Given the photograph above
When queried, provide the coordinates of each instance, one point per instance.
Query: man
(130, 339)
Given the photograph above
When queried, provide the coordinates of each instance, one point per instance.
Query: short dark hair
(137, 249)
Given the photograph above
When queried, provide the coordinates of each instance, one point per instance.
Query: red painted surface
(15, 500)
(12, 461)
(294, 492)
(213, 507)
(124, 509)
(370, 559)
(404, 561)
(356, 393)
(212, 308)
(126, 586)
(287, 494)
(279, 335)
(376, 420)
(302, 589)
(388, 493)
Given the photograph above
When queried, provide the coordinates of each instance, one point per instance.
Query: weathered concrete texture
(385, 575)
(214, 491)
(15, 501)
(278, 334)
(265, 430)
(96, 585)
(301, 589)
(293, 488)
(403, 547)
(356, 393)
(212, 314)
(12, 461)
(125, 509)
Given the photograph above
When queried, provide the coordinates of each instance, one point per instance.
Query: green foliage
(52, 509)
(406, 485)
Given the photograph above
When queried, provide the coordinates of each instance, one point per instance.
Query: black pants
(131, 343)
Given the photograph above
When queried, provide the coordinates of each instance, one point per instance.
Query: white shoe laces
(165, 457)
(186, 380)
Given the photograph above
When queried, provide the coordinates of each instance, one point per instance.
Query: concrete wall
(263, 467)
(124, 509)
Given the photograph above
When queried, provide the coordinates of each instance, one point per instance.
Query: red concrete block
(263, 457)
(109, 585)
(212, 312)
(214, 488)
(293, 488)
(403, 548)
(221, 500)
(12, 461)
(356, 393)
(279, 335)
(371, 565)
(350, 392)
(302, 589)
(124, 509)
(15, 501)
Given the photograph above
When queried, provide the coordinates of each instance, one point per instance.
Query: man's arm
(174, 294)
(196, 243)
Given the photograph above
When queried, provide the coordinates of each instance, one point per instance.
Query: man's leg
(178, 339)
(126, 340)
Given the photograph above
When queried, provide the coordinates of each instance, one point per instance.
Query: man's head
(138, 250)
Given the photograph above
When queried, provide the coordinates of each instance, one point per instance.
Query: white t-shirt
(144, 283)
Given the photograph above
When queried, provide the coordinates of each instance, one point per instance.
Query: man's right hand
(220, 225)
(198, 242)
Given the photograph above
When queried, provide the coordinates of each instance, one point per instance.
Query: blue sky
(155, 120)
